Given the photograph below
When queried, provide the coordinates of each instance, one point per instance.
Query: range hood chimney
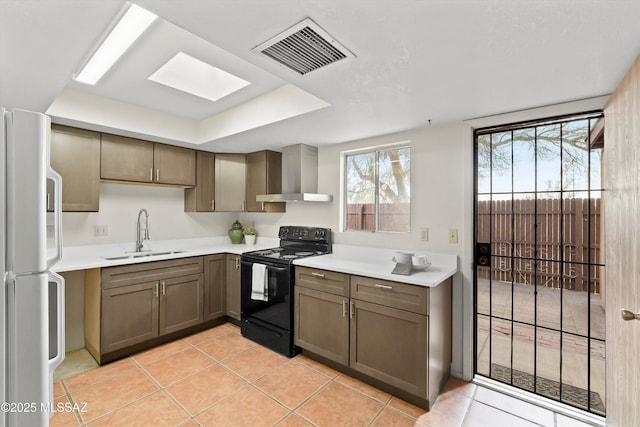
(299, 176)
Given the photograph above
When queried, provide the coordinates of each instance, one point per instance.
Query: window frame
(344, 187)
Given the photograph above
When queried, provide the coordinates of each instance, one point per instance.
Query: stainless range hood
(299, 177)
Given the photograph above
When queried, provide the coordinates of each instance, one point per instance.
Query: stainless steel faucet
(140, 238)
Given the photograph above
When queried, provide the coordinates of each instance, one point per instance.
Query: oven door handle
(270, 266)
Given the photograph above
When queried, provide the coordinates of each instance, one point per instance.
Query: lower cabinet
(131, 304)
(215, 286)
(233, 286)
(321, 323)
(390, 345)
(181, 304)
(395, 333)
(136, 309)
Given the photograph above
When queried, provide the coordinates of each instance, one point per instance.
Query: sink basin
(141, 255)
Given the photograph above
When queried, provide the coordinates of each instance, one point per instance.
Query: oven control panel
(307, 234)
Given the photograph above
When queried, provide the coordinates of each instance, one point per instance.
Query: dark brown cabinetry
(75, 155)
(215, 286)
(264, 176)
(135, 160)
(233, 286)
(395, 333)
(130, 316)
(131, 304)
(230, 182)
(174, 165)
(322, 323)
(181, 303)
(201, 197)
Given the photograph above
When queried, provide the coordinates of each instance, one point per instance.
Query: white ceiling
(416, 61)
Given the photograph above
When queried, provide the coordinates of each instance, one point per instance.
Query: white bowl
(402, 257)
(421, 266)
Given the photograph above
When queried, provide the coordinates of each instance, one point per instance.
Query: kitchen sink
(133, 255)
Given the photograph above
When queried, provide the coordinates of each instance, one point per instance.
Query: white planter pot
(250, 239)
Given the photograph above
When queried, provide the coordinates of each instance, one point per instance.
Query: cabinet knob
(344, 308)
(317, 274)
(378, 285)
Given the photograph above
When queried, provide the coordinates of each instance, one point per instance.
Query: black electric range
(267, 279)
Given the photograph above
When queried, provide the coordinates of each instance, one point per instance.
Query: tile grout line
(70, 399)
(84, 423)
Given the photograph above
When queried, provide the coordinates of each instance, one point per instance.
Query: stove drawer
(323, 280)
(391, 294)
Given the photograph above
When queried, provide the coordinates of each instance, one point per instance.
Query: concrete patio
(512, 348)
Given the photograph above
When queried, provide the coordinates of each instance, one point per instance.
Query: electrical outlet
(453, 235)
(424, 234)
(100, 230)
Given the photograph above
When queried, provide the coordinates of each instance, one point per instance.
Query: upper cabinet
(230, 179)
(201, 197)
(75, 155)
(264, 176)
(134, 160)
(174, 165)
(126, 159)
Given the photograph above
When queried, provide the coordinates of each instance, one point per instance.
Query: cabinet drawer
(391, 294)
(323, 280)
(114, 277)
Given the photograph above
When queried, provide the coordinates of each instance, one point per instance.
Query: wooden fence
(392, 216)
(553, 242)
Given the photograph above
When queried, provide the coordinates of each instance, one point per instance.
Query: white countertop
(359, 260)
(377, 263)
(93, 256)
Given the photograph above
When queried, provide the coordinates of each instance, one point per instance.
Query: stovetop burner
(284, 253)
(297, 242)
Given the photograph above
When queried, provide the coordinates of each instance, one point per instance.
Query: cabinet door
(126, 159)
(181, 303)
(321, 324)
(75, 155)
(200, 198)
(230, 177)
(390, 345)
(215, 286)
(174, 165)
(264, 176)
(233, 286)
(129, 315)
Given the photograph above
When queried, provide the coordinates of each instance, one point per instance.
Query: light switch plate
(100, 230)
(453, 235)
(424, 234)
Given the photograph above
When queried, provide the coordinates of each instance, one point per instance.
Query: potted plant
(250, 234)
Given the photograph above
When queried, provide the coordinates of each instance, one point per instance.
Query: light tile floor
(218, 378)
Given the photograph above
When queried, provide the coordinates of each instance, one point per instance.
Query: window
(378, 190)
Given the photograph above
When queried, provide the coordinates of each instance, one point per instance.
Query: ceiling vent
(303, 48)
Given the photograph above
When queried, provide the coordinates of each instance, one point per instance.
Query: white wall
(119, 206)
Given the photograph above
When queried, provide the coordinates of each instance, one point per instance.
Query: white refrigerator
(32, 299)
